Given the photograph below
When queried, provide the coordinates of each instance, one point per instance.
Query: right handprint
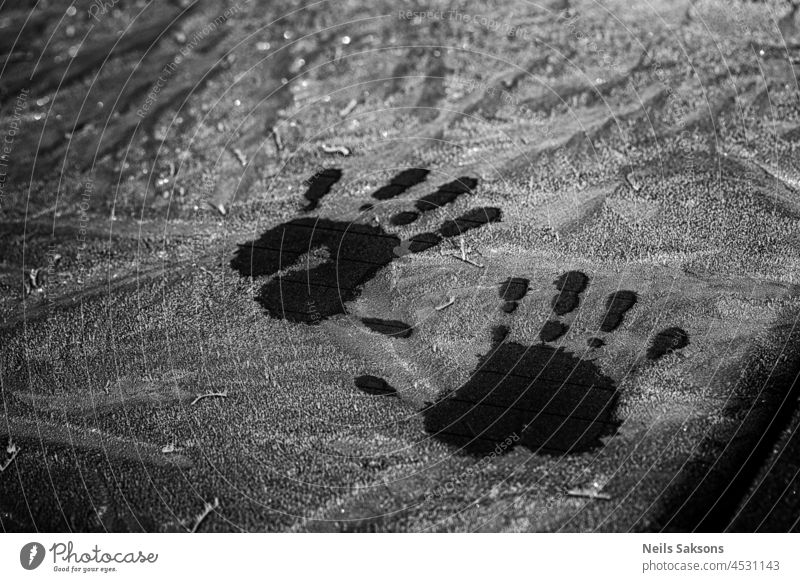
(554, 401)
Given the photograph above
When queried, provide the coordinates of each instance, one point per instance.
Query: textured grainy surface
(248, 200)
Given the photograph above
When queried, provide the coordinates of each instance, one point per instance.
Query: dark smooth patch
(617, 305)
(389, 191)
(400, 183)
(435, 200)
(392, 327)
(552, 330)
(319, 185)
(358, 252)
(374, 386)
(367, 206)
(514, 288)
(574, 281)
(499, 334)
(565, 302)
(403, 218)
(509, 306)
(446, 194)
(539, 397)
(461, 185)
(666, 341)
(570, 285)
(424, 241)
(473, 219)
(595, 342)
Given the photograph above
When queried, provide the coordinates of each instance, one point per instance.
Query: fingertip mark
(319, 185)
(617, 305)
(374, 386)
(667, 341)
(552, 330)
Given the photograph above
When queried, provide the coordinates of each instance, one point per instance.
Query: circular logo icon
(31, 555)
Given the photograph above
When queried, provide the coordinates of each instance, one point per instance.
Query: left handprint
(348, 254)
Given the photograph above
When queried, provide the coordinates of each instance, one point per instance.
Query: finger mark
(474, 218)
(617, 305)
(423, 242)
(667, 341)
(403, 218)
(374, 386)
(446, 194)
(571, 284)
(390, 327)
(319, 185)
(400, 183)
(552, 330)
(514, 288)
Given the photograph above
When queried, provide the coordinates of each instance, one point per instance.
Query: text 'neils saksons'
(663, 548)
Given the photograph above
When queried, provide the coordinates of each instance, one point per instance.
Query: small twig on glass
(13, 450)
(469, 261)
(209, 507)
(445, 305)
(592, 491)
(210, 395)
